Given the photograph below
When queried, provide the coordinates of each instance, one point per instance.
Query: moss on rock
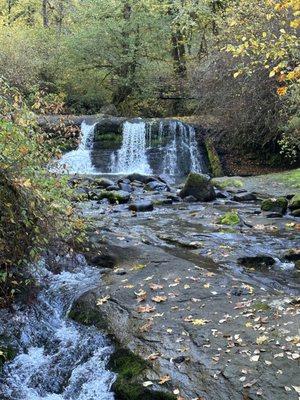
(213, 158)
(199, 186)
(229, 218)
(275, 204)
(295, 202)
(129, 368)
(227, 183)
(6, 353)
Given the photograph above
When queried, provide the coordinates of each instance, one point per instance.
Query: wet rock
(276, 205)
(103, 261)
(295, 202)
(103, 183)
(244, 197)
(190, 199)
(113, 187)
(274, 215)
(155, 185)
(113, 197)
(199, 186)
(257, 262)
(163, 202)
(220, 195)
(141, 206)
(140, 178)
(296, 213)
(174, 197)
(292, 255)
(126, 187)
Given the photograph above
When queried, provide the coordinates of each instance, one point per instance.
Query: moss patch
(213, 158)
(228, 183)
(279, 204)
(295, 202)
(87, 316)
(229, 218)
(129, 368)
(260, 306)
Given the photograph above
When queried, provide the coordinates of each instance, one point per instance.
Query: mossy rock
(7, 353)
(114, 197)
(87, 316)
(213, 158)
(230, 218)
(129, 369)
(199, 186)
(295, 202)
(275, 205)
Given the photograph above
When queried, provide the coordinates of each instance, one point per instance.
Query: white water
(181, 148)
(58, 358)
(79, 160)
(132, 155)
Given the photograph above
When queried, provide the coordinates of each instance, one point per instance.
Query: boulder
(190, 199)
(275, 205)
(114, 197)
(156, 185)
(126, 187)
(292, 255)
(244, 197)
(103, 183)
(274, 215)
(199, 186)
(141, 206)
(140, 178)
(113, 187)
(257, 262)
(295, 202)
(296, 213)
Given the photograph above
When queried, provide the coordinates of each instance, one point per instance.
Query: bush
(35, 210)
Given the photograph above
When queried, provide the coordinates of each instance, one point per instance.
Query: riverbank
(177, 293)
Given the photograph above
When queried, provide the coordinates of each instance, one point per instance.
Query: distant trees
(161, 57)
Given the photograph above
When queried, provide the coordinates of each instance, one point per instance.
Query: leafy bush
(35, 210)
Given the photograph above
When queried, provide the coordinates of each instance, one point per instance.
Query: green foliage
(214, 160)
(229, 218)
(35, 210)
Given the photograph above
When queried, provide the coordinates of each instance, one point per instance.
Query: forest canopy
(235, 61)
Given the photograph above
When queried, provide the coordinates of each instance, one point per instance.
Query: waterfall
(172, 149)
(132, 155)
(58, 359)
(79, 160)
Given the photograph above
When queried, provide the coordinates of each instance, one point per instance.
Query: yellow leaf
(199, 322)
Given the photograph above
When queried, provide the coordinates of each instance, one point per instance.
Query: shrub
(35, 210)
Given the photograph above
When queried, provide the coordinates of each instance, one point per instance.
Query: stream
(174, 240)
(57, 359)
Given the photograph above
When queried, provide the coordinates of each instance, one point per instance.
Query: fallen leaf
(159, 299)
(164, 379)
(145, 309)
(155, 286)
(103, 300)
(199, 322)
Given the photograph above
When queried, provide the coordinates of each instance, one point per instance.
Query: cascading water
(58, 359)
(79, 160)
(132, 156)
(171, 150)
